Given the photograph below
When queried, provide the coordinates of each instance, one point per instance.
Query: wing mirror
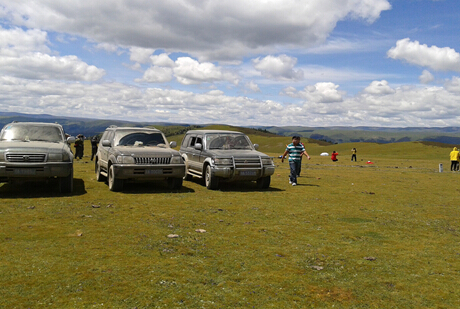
(173, 144)
(198, 146)
(71, 139)
(106, 143)
(256, 146)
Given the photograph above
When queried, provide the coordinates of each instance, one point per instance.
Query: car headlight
(125, 159)
(176, 160)
(67, 157)
(55, 157)
(267, 161)
(223, 161)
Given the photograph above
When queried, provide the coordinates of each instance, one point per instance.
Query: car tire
(263, 183)
(211, 181)
(114, 183)
(66, 183)
(99, 176)
(175, 183)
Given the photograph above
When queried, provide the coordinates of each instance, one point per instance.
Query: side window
(186, 141)
(199, 140)
(192, 141)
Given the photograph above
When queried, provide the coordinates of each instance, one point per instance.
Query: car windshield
(139, 139)
(227, 141)
(28, 133)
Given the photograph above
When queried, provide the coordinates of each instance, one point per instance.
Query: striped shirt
(295, 152)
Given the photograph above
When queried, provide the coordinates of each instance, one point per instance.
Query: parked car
(218, 155)
(36, 151)
(126, 153)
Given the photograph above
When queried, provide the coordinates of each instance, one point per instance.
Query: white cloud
(24, 54)
(140, 55)
(318, 93)
(436, 58)
(193, 26)
(426, 77)
(156, 74)
(379, 88)
(162, 60)
(406, 106)
(281, 67)
(453, 85)
(252, 86)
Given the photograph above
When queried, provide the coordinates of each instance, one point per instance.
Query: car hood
(147, 151)
(236, 153)
(33, 146)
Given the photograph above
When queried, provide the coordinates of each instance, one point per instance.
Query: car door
(104, 147)
(192, 154)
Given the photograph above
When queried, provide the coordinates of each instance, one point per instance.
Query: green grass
(350, 235)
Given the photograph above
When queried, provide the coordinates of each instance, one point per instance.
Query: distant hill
(332, 135)
(382, 135)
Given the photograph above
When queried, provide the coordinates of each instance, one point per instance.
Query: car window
(227, 141)
(29, 133)
(192, 141)
(140, 139)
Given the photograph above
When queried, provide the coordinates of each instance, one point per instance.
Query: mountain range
(335, 135)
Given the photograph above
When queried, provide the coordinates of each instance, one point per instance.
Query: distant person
(94, 142)
(454, 157)
(353, 154)
(334, 156)
(295, 150)
(79, 146)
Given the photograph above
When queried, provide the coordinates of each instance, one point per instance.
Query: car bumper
(231, 174)
(135, 171)
(58, 169)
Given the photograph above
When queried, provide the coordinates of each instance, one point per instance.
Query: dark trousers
(294, 166)
(454, 165)
(353, 156)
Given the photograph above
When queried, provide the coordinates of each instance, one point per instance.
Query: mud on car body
(219, 155)
(38, 151)
(137, 154)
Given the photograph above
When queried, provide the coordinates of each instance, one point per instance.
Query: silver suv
(36, 151)
(126, 153)
(218, 155)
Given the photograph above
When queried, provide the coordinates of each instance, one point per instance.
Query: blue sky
(279, 62)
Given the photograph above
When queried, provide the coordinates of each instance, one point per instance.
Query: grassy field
(350, 235)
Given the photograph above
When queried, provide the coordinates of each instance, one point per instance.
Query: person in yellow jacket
(454, 157)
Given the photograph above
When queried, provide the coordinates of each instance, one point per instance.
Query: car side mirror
(198, 146)
(256, 146)
(71, 139)
(106, 143)
(173, 144)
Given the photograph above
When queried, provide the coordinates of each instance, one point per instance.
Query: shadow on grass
(244, 186)
(152, 187)
(34, 189)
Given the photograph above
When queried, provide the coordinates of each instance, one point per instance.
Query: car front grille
(32, 158)
(247, 162)
(152, 160)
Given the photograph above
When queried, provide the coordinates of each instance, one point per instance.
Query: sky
(316, 63)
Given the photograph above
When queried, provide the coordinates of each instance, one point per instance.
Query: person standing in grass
(295, 150)
(454, 157)
(353, 154)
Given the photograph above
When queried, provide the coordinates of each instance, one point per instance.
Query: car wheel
(211, 181)
(175, 183)
(263, 183)
(114, 183)
(66, 183)
(99, 176)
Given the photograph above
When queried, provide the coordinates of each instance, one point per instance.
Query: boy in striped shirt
(295, 150)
